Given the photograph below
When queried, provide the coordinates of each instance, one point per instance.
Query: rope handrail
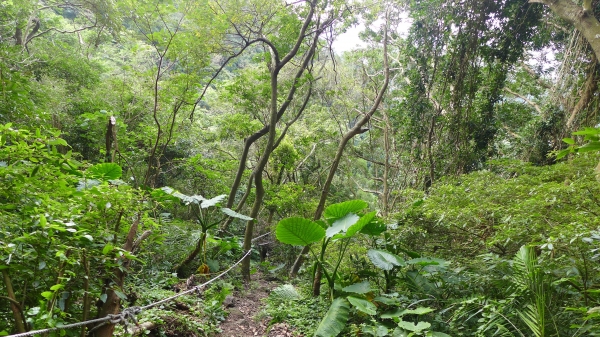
(128, 314)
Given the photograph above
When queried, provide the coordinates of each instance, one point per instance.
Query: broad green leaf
(427, 261)
(560, 154)
(591, 146)
(235, 214)
(213, 265)
(58, 141)
(419, 284)
(587, 131)
(437, 334)
(417, 311)
(392, 313)
(335, 319)
(33, 311)
(336, 211)
(400, 333)
(384, 260)
(47, 294)
(342, 224)
(85, 184)
(103, 297)
(569, 141)
(298, 231)
(359, 225)
(41, 265)
(286, 292)
(358, 288)
(57, 287)
(363, 305)
(3, 332)
(43, 221)
(374, 228)
(105, 171)
(377, 331)
(414, 327)
(410, 253)
(107, 249)
(121, 295)
(322, 223)
(213, 201)
(386, 300)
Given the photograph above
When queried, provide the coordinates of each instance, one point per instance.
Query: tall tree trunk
(581, 17)
(386, 167)
(275, 112)
(589, 89)
(357, 129)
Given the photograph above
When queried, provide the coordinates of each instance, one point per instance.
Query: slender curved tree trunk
(258, 180)
(275, 113)
(356, 130)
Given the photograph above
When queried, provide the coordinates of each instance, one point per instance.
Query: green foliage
(105, 171)
(207, 213)
(340, 210)
(304, 314)
(299, 231)
(285, 292)
(188, 314)
(385, 260)
(52, 226)
(511, 204)
(335, 319)
(462, 95)
(591, 135)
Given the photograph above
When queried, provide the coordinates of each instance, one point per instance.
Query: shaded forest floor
(246, 315)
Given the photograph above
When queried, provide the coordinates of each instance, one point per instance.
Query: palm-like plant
(527, 302)
(531, 280)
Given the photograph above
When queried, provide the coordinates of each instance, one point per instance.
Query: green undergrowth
(302, 312)
(195, 314)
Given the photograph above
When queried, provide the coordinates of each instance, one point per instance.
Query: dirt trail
(244, 307)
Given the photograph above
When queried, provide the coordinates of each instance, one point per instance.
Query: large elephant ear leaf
(336, 211)
(212, 202)
(335, 319)
(363, 305)
(355, 228)
(235, 214)
(299, 231)
(385, 260)
(105, 171)
(342, 224)
(374, 228)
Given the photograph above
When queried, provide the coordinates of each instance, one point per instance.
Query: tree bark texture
(583, 19)
(275, 113)
(17, 313)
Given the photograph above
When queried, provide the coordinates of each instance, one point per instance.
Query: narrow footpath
(246, 317)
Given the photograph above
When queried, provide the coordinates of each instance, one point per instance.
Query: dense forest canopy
(440, 179)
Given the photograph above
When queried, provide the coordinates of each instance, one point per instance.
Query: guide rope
(127, 316)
